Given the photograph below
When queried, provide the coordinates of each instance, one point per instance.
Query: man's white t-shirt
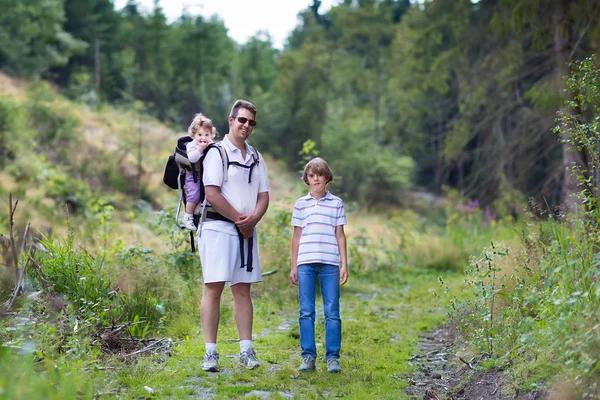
(239, 193)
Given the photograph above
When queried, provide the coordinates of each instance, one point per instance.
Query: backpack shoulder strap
(224, 160)
(254, 154)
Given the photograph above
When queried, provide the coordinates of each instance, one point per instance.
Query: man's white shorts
(219, 250)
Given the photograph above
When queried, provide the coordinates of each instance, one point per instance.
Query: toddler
(203, 132)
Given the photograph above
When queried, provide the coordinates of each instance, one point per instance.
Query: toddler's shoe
(308, 364)
(333, 365)
(188, 222)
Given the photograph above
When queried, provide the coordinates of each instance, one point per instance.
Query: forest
(464, 136)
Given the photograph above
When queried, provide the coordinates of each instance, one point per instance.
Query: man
(227, 241)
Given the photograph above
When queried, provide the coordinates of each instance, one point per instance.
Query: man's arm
(220, 203)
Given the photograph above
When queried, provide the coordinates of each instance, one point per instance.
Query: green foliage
(367, 170)
(56, 125)
(542, 301)
(11, 128)
(32, 37)
(487, 285)
(309, 151)
(179, 257)
(582, 122)
(79, 276)
(26, 377)
(62, 188)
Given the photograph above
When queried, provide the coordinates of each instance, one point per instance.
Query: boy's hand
(343, 274)
(294, 275)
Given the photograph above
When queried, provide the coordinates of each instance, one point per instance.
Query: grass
(382, 317)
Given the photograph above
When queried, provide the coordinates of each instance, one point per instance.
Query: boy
(319, 251)
(203, 132)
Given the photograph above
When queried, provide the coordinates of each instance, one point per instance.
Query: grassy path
(382, 315)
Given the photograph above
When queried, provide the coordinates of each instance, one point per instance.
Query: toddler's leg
(192, 196)
(307, 288)
(190, 207)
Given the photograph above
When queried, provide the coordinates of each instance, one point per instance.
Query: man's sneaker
(188, 222)
(308, 364)
(333, 365)
(248, 359)
(211, 362)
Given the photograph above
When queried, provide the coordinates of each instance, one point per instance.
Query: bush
(62, 188)
(545, 305)
(56, 127)
(9, 113)
(76, 274)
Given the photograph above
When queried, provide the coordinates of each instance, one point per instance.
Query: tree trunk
(562, 47)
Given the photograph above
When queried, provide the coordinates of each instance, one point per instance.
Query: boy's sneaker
(188, 222)
(211, 362)
(333, 365)
(248, 359)
(308, 364)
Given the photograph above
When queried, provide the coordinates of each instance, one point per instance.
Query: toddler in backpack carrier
(202, 133)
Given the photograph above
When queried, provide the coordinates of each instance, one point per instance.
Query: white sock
(211, 347)
(188, 215)
(245, 345)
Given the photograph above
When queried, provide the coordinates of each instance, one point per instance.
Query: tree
(32, 39)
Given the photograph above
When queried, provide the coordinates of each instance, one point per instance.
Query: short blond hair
(198, 122)
(317, 166)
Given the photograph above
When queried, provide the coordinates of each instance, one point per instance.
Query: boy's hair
(199, 121)
(242, 104)
(317, 166)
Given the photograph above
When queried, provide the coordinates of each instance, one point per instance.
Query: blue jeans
(329, 278)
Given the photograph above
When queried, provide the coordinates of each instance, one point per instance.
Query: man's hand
(294, 275)
(343, 274)
(246, 224)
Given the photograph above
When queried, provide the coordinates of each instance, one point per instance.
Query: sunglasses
(243, 120)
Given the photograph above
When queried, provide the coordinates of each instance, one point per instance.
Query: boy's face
(203, 135)
(316, 182)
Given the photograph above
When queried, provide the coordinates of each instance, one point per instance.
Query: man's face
(241, 125)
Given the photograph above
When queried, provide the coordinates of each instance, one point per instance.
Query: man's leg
(210, 310)
(243, 314)
(243, 310)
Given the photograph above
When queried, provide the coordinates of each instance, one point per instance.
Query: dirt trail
(440, 374)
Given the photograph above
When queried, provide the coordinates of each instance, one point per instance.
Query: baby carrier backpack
(178, 166)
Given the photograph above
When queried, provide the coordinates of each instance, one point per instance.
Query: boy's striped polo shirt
(318, 220)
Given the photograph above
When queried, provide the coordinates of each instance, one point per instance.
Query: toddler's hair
(199, 121)
(317, 166)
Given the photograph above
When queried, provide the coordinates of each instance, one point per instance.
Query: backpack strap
(250, 167)
(224, 160)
